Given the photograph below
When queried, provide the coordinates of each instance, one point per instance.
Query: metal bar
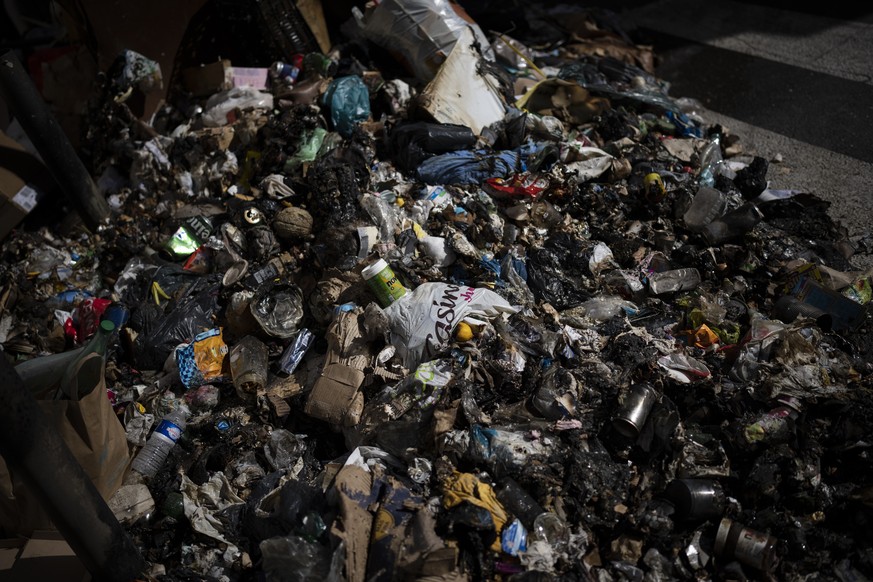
(33, 448)
(31, 111)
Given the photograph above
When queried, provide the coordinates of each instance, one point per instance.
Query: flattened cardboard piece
(460, 93)
(46, 556)
(565, 100)
(334, 397)
(346, 342)
(354, 486)
(9, 550)
(404, 544)
(131, 25)
(91, 430)
(396, 509)
(208, 79)
(257, 77)
(313, 14)
(22, 179)
(334, 393)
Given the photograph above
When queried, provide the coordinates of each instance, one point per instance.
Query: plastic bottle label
(169, 430)
(753, 549)
(513, 539)
(386, 286)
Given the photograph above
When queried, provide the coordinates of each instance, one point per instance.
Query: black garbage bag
(185, 318)
(412, 143)
(554, 271)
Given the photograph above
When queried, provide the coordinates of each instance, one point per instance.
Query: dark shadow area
(816, 108)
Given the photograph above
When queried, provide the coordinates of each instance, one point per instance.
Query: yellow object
(705, 337)
(158, 293)
(466, 487)
(529, 62)
(209, 354)
(464, 333)
(655, 190)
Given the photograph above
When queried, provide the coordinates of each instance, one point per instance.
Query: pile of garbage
(443, 305)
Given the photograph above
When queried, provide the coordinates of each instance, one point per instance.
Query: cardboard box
(208, 79)
(22, 180)
(336, 396)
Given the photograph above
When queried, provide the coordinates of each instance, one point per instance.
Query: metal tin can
(774, 426)
(745, 545)
(383, 282)
(288, 72)
(635, 410)
(192, 233)
(696, 498)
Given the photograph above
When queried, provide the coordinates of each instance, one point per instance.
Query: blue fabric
(474, 167)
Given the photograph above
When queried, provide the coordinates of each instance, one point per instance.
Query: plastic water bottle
(153, 455)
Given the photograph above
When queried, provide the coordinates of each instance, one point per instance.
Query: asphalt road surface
(788, 83)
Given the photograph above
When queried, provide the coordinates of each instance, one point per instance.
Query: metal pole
(34, 449)
(28, 107)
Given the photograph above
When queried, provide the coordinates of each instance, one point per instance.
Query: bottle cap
(374, 269)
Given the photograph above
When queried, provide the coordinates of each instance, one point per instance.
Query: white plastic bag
(422, 32)
(220, 104)
(422, 322)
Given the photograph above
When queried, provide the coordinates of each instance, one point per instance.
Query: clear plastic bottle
(710, 160)
(249, 360)
(708, 205)
(153, 455)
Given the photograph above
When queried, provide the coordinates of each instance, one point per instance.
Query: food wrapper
(202, 360)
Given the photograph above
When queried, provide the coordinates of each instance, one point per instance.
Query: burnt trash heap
(444, 305)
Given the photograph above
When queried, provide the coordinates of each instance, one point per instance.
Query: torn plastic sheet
(463, 92)
(684, 368)
(295, 559)
(756, 347)
(210, 561)
(599, 75)
(588, 169)
(201, 503)
(505, 450)
(219, 105)
(420, 391)
(421, 32)
(285, 451)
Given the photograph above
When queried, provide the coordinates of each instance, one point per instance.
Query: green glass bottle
(83, 373)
